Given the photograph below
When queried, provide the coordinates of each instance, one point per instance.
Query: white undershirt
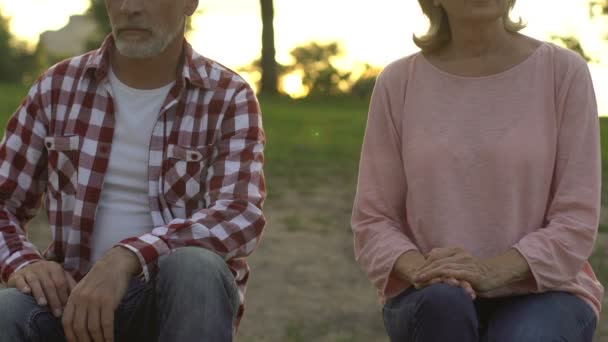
(123, 210)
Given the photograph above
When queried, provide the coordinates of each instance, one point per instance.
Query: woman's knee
(437, 307)
(445, 300)
(551, 316)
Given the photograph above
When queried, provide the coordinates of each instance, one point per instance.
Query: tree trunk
(269, 63)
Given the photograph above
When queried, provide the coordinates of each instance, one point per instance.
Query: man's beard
(151, 46)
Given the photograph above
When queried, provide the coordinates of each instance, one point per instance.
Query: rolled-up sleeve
(379, 213)
(557, 252)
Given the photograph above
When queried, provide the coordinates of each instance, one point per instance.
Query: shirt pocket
(183, 175)
(62, 156)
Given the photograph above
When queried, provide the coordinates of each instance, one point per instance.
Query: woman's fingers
(469, 289)
(451, 281)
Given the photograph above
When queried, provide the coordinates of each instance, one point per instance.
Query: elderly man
(150, 157)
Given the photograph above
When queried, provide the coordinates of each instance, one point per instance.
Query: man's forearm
(124, 260)
(509, 267)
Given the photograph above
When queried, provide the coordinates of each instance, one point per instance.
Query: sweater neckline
(503, 73)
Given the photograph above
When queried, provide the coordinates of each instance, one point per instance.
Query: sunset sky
(376, 32)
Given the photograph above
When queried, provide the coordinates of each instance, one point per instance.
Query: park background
(314, 64)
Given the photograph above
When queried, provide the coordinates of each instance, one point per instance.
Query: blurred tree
(268, 63)
(364, 85)
(97, 12)
(603, 4)
(7, 52)
(17, 63)
(596, 8)
(320, 75)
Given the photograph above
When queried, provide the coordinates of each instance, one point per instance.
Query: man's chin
(133, 49)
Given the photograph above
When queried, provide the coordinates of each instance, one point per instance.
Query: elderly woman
(479, 189)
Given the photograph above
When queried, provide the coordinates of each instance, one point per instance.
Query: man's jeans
(446, 313)
(193, 298)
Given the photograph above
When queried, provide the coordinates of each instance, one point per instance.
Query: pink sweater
(486, 164)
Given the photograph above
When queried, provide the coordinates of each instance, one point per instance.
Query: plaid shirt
(206, 184)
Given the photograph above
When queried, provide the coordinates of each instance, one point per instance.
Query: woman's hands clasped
(456, 263)
(453, 266)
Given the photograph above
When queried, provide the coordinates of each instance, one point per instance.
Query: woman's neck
(478, 40)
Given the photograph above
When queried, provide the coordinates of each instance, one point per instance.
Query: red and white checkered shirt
(206, 184)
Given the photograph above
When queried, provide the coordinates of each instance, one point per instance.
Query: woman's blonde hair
(439, 33)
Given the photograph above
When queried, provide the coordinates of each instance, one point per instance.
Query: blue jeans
(193, 298)
(446, 313)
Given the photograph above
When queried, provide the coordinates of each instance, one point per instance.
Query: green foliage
(320, 75)
(364, 85)
(7, 51)
(17, 63)
(11, 95)
(97, 12)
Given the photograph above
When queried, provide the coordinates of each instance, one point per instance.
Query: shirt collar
(193, 70)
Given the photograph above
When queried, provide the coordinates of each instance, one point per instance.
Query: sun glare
(292, 85)
(29, 18)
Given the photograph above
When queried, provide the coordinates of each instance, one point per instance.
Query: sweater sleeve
(557, 252)
(379, 213)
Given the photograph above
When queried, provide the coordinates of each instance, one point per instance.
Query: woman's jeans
(446, 313)
(193, 298)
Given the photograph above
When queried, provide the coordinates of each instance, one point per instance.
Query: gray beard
(152, 47)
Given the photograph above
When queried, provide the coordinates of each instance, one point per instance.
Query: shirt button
(103, 149)
(194, 157)
(49, 144)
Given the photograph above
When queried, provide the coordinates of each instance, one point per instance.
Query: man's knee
(197, 269)
(193, 262)
(193, 271)
(21, 318)
(13, 306)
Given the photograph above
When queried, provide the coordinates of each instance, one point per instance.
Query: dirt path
(306, 285)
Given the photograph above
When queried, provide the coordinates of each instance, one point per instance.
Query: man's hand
(409, 263)
(47, 282)
(459, 264)
(89, 314)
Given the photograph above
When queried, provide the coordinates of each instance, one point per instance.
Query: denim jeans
(446, 313)
(193, 298)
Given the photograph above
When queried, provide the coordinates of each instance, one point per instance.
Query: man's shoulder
(74, 68)
(215, 74)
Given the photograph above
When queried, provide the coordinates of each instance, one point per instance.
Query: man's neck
(478, 40)
(149, 73)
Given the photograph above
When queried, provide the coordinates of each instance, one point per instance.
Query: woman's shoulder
(398, 71)
(565, 62)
